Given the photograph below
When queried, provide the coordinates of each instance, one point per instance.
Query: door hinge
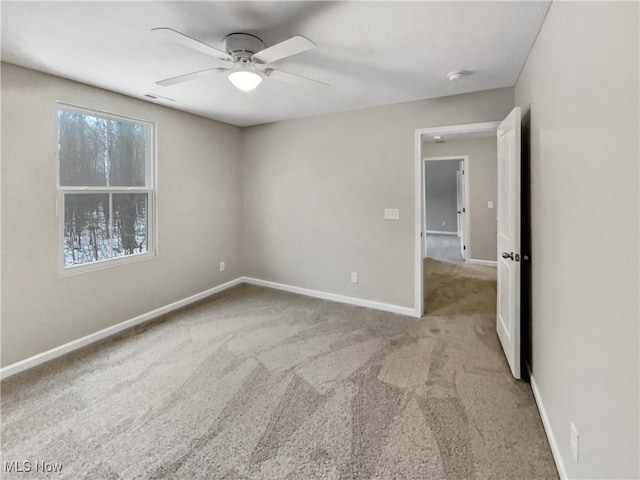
(464, 247)
(464, 210)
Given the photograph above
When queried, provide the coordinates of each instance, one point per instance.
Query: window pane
(127, 154)
(86, 228)
(95, 151)
(82, 143)
(129, 223)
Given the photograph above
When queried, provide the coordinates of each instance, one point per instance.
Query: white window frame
(150, 189)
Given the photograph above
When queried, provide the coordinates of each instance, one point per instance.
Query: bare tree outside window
(105, 186)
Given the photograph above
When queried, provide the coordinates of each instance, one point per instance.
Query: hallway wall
(483, 155)
(441, 191)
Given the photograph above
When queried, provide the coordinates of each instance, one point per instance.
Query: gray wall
(198, 217)
(441, 192)
(581, 84)
(482, 152)
(314, 191)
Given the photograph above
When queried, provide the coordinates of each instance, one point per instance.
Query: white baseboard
(21, 366)
(386, 307)
(15, 368)
(562, 472)
(486, 263)
(438, 232)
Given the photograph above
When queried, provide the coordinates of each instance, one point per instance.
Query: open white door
(508, 317)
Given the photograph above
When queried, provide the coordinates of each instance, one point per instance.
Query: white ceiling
(371, 53)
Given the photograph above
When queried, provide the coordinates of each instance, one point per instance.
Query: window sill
(103, 264)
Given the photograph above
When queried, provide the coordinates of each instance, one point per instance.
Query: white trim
(488, 263)
(438, 232)
(150, 188)
(418, 278)
(22, 365)
(385, 307)
(418, 263)
(106, 263)
(444, 159)
(15, 368)
(100, 112)
(562, 472)
(462, 128)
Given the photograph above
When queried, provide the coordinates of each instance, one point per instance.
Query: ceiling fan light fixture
(244, 77)
(246, 51)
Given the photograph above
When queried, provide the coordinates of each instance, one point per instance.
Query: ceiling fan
(246, 55)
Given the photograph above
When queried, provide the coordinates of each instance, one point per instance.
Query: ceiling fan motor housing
(242, 45)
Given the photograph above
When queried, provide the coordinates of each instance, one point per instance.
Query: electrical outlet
(489, 204)
(354, 277)
(222, 267)
(574, 442)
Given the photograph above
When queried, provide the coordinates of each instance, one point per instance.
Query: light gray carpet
(260, 384)
(444, 247)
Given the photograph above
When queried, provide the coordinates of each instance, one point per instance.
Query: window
(105, 189)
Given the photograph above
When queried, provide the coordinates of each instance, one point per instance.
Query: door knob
(507, 255)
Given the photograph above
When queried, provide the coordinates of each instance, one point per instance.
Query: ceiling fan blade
(187, 41)
(287, 48)
(290, 77)
(188, 76)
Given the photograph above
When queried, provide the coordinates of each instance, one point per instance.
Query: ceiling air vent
(153, 96)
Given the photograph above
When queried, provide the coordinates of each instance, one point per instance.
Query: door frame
(479, 127)
(465, 160)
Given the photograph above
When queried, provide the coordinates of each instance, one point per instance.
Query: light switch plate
(392, 214)
(489, 204)
(354, 277)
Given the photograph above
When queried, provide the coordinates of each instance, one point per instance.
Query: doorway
(459, 131)
(445, 208)
(507, 248)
